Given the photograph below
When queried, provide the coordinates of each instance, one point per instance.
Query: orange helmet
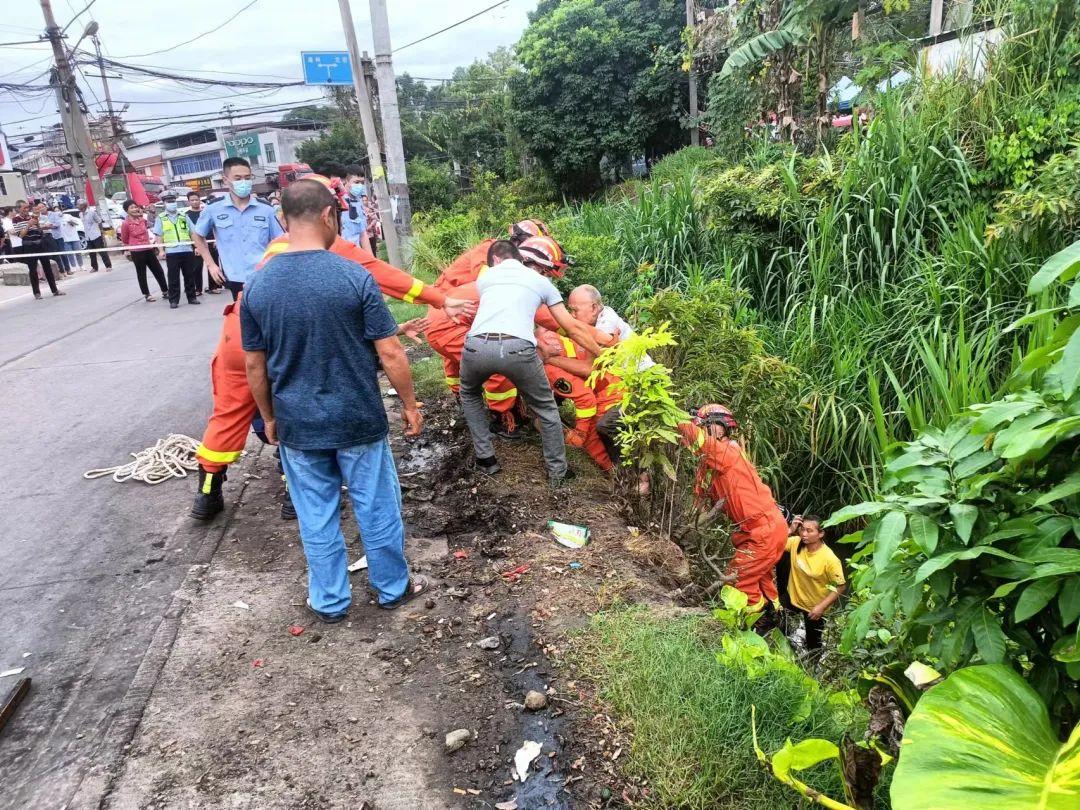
(545, 254)
(520, 231)
(713, 414)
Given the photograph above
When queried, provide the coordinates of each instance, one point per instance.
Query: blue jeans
(74, 258)
(314, 478)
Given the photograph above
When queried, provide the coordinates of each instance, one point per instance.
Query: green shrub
(684, 691)
(430, 186)
(439, 241)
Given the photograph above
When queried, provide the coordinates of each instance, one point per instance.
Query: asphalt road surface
(87, 568)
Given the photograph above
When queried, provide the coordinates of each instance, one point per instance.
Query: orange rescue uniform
(466, 268)
(726, 476)
(234, 406)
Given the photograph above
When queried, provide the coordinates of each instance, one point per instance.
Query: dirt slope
(247, 715)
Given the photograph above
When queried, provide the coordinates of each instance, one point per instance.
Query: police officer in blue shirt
(242, 226)
(354, 218)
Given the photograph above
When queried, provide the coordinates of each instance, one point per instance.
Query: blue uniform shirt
(158, 231)
(316, 316)
(354, 229)
(242, 236)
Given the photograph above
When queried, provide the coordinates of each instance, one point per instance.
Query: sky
(263, 43)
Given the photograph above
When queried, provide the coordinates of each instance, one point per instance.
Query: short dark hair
(234, 161)
(354, 169)
(306, 199)
(193, 193)
(500, 250)
(129, 204)
(20, 202)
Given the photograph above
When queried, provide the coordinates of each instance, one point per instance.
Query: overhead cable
(217, 27)
(453, 25)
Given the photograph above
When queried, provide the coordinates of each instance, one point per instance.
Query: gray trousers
(517, 360)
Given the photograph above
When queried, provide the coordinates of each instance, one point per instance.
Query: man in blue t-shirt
(316, 325)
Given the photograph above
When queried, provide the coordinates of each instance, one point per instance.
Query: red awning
(48, 171)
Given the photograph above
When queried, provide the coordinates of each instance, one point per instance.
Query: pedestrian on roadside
(135, 234)
(315, 328)
(502, 341)
(52, 223)
(174, 229)
(35, 239)
(95, 239)
(195, 210)
(374, 226)
(242, 225)
(354, 218)
(6, 234)
(69, 230)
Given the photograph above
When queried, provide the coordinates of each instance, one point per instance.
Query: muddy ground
(246, 714)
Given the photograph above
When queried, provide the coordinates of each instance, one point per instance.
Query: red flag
(135, 188)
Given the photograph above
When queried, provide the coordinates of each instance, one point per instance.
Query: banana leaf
(982, 738)
(763, 45)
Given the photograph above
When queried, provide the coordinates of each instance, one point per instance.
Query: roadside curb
(96, 784)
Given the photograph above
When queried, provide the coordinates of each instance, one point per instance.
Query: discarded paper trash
(8, 672)
(568, 534)
(359, 565)
(239, 603)
(523, 759)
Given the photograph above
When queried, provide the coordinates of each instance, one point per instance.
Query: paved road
(87, 568)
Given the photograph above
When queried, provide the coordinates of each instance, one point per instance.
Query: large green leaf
(1070, 486)
(890, 532)
(989, 639)
(964, 516)
(1064, 265)
(858, 510)
(982, 738)
(1069, 366)
(1069, 601)
(1035, 597)
(924, 531)
(763, 45)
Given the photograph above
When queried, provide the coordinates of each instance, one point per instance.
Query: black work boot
(208, 499)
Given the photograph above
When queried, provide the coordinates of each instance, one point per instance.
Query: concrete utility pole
(80, 145)
(695, 139)
(367, 120)
(108, 96)
(391, 116)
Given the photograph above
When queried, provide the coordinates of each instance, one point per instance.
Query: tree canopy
(600, 84)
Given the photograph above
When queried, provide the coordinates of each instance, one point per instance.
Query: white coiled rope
(171, 457)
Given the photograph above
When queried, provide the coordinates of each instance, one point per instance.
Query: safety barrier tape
(17, 256)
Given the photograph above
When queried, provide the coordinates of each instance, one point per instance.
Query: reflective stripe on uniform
(217, 456)
(499, 396)
(585, 413)
(207, 482)
(568, 347)
(415, 290)
(452, 381)
(274, 248)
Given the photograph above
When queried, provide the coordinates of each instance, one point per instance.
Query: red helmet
(545, 254)
(713, 414)
(520, 231)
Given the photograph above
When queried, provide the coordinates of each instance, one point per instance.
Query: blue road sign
(327, 67)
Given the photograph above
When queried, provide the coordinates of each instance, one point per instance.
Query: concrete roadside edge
(96, 784)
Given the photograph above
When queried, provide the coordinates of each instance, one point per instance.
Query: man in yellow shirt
(816, 580)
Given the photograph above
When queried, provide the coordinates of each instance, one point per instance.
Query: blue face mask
(358, 190)
(170, 207)
(241, 188)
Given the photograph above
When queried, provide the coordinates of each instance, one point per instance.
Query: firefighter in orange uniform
(467, 267)
(728, 480)
(234, 407)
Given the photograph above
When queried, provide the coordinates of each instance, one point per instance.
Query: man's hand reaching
(414, 329)
(458, 308)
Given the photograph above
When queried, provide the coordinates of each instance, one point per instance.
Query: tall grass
(689, 714)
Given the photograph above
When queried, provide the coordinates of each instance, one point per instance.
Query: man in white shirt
(91, 221)
(69, 233)
(587, 305)
(502, 341)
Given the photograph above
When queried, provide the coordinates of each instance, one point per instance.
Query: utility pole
(695, 139)
(80, 146)
(391, 116)
(108, 95)
(371, 136)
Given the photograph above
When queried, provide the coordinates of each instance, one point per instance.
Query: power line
(454, 25)
(213, 30)
(194, 80)
(73, 19)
